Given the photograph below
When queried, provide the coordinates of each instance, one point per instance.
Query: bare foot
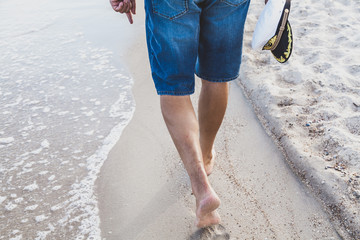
(205, 210)
(210, 219)
(209, 162)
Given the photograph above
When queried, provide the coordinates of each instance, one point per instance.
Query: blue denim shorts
(194, 36)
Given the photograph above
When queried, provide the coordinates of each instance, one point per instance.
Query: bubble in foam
(40, 218)
(18, 237)
(55, 188)
(52, 177)
(19, 200)
(10, 206)
(41, 235)
(6, 140)
(56, 207)
(31, 187)
(31, 208)
(43, 172)
(45, 143)
(2, 199)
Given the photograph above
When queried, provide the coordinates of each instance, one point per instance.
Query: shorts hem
(175, 93)
(217, 80)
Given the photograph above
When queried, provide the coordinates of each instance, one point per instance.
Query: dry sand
(311, 105)
(144, 191)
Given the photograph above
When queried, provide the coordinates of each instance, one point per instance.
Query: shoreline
(65, 100)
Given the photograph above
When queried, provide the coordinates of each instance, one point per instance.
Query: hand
(125, 6)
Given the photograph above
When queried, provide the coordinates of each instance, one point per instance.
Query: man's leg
(183, 126)
(212, 106)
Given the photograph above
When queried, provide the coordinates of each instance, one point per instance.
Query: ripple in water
(63, 105)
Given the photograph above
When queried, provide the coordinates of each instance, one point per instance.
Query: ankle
(202, 191)
(205, 192)
(208, 155)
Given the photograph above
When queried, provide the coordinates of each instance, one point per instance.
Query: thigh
(172, 30)
(221, 37)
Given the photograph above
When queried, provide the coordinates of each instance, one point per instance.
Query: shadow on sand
(217, 232)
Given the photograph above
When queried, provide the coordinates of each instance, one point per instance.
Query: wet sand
(144, 192)
(64, 101)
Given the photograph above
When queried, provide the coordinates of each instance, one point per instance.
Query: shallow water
(64, 101)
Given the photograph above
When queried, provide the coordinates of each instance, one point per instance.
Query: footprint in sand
(303, 14)
(336, 54)
(217, 232)
(290, 78)
(353, 124)
(342, 39)
(354, 70)
(322, 68)
(311, 58)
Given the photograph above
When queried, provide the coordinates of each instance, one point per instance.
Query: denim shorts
(194, 36)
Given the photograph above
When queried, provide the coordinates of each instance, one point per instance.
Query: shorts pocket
(234, 2)
(170, 9)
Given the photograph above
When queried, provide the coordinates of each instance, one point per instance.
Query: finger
(118, 8)
(133, 9)
(129, 16)
(113, 4)
(125, 6)
(128, 5)
(122, 8)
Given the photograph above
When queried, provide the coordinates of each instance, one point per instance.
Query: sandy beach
(144, 192)
(310, 106)
(85, 153)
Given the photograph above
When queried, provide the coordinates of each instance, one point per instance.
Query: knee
(214, 85)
